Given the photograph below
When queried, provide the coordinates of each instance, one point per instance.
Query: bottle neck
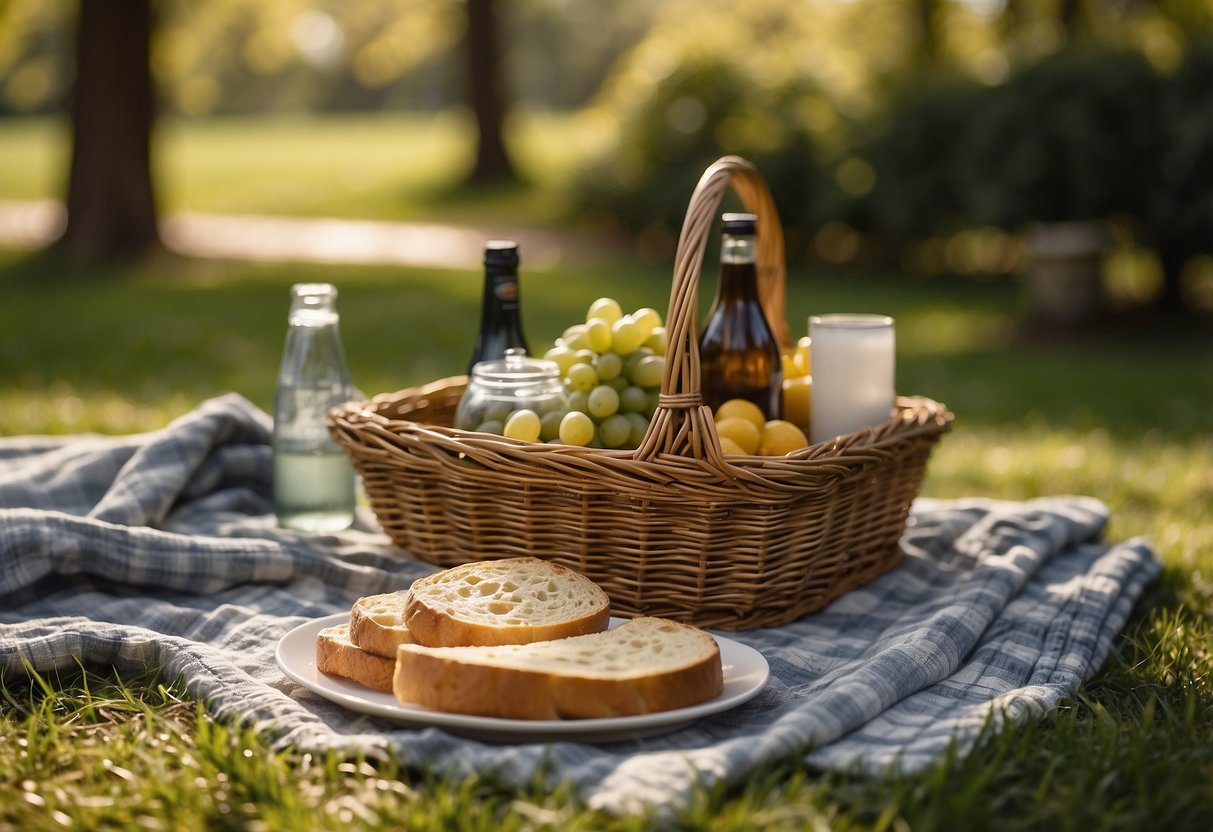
(501, 301)
(501, 288)
(737, 248)
(738, 272)
(500, 316)
(314, 357)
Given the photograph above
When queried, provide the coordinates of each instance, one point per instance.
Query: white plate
(745, 675)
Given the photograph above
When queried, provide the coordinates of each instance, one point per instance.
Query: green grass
(1123, 417)
(1123, 413)
(386, 166)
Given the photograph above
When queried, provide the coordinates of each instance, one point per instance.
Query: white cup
(853, 360)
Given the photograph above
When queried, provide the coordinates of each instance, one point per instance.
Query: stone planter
(1063, 271)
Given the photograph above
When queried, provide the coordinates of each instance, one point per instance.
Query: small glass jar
(497, 389)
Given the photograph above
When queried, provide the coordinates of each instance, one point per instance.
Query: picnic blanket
(160, 550)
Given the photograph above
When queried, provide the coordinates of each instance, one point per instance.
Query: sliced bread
(510, 601)
(642, 666)
(377, 623)
(337, 655)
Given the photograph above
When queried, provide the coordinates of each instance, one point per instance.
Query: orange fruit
(741, 432)
(730, 448)
(743, 408)
(798, 400)
(780, 437)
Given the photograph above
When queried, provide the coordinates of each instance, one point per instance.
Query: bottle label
(506, 291)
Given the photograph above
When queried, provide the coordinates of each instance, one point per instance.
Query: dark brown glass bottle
(500, 311)
(738, 353)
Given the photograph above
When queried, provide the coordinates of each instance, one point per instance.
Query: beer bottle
(738, 354)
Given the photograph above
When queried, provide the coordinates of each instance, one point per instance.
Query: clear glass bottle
(313, 478)
(500, 310)
(738, 355)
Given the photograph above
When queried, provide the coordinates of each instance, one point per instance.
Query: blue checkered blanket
(160, 550)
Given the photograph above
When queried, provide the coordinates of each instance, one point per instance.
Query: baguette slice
(336, 654)
(510, 601)
(642, 666)
(377, 623)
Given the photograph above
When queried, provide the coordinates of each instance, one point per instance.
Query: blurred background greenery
(924, 135)
(919, 151)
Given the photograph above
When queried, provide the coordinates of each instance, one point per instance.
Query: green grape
(633, 399)
(658, 341)
(586, 356)
(648, 371)
(579, 400)
(491, 426)
(576, 337)
(654, 400)
(522, 424)
(563, 356)
(614, 431)
(632, 360)
(598, 334)
(549, 425)
(541, 406)
(576, 429)
(582, 378)
(626, 336)
(467, 417)
(603, 401)
(619, 383)
(639, 425)
(498, 411)
(607, 309)
(609, 365)
(647, 319)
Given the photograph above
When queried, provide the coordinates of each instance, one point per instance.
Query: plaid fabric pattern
(160, 550)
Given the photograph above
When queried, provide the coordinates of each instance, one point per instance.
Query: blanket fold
(160, 550)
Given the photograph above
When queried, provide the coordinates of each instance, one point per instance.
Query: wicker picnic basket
(674, 528)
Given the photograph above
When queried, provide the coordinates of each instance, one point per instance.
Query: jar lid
(517, 368)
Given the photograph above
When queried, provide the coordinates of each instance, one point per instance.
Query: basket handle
(683, 424)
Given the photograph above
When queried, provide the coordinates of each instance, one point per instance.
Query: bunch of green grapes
(612, 367)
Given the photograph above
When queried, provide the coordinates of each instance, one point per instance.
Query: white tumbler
(853, 369)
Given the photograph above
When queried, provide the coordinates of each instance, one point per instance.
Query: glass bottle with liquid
(500, 311)
(313, 478)
(739, 357)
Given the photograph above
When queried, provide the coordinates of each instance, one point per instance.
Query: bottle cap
(739, 223)
(313, 304)
(501, 253)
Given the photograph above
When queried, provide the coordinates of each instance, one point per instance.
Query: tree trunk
(486, 93)
(1070, 17)
(928, 40)
(111, 209)
(1170, 300)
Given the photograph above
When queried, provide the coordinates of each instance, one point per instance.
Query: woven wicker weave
(673, 528)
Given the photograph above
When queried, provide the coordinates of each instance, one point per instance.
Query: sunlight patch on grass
(953, 331)
(62, 409)
(358, 166)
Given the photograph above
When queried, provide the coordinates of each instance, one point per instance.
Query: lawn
(1123, 413)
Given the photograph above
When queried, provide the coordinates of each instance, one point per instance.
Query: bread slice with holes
(643, 666)
(510, 601)
(338, 656)
(377, 623)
